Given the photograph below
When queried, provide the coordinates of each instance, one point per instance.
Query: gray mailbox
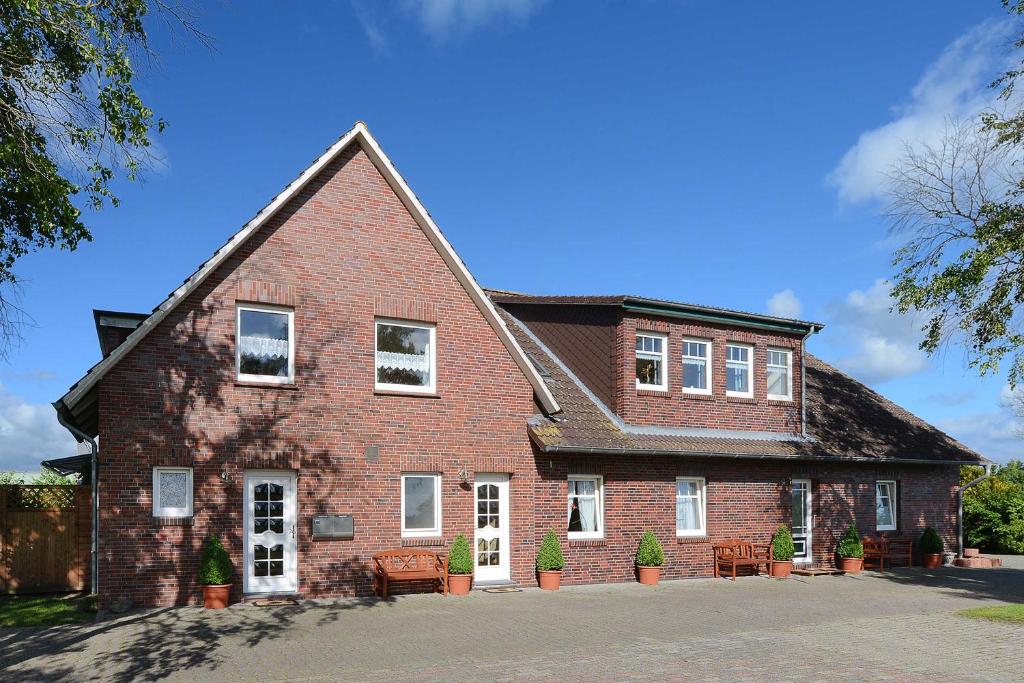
(333, 526)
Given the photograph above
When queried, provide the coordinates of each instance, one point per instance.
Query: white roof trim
(359, 133)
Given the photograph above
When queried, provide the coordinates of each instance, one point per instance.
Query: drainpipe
(960, 508)
(94, 461)
(803, 383)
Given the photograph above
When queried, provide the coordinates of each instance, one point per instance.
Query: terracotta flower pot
(781, 569)
(549, 581)
(851, 565)
(931, 560)
(459, 584)
(216, 597)
(648, 575)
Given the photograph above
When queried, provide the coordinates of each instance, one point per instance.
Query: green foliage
(549, 555)
(460, 557)
(1013, 614)
(782, 544)
(215, 567)
(931, 542)
(46, 477)
(994, 509)
(38, 610)
(850, 544)
(649, 553)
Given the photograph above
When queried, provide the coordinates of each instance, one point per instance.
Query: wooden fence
(44, 538)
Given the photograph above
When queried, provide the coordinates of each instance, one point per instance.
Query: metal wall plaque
(333, 526)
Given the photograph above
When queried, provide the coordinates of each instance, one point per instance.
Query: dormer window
(780, 374)
(739, 370)
(650, 361)
(697, 366)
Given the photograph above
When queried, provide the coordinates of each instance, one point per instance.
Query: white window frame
(788, 396)
(708, 362)
(264, 379)
(663, 386)
(421, 533)
(750, 370)
(890, 484)
(599, 503)
(432, 353)
(172, 512)
(702, 506)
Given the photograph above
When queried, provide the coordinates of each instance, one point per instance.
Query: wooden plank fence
(44, 538)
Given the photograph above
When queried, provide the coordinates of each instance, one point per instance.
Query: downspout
(803, 382)
(960, 508)
(95, 484)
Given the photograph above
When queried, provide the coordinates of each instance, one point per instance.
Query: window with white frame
(406, 359)
(739, 380)
(266, 344)
(586, 515)
(172, 492)
(885, 505)
(650, 361)
(421, 505)
(780, 374)
(691, 515)
(696, 366)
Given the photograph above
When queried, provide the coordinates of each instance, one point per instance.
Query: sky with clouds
(726, 154)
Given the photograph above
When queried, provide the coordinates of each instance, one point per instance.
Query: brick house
(336, 357)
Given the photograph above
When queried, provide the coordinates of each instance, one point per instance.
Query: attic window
(266, 344)
(405, 356)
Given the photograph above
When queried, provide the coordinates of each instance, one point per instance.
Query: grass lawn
(1013, 614)
(43, 610)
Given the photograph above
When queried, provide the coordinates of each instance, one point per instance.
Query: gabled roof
(664, 307)
(846, 421)
(358, 134)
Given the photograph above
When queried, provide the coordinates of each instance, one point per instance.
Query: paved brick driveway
(897, 626)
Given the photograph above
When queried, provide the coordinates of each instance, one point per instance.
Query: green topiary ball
(460, 557)
(850, 545)
(649, 553)
(215, 567)
(549, 555)
(782, 544)
(931, 542)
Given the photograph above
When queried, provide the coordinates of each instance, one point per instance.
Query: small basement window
(405, 356)
(266, 344)
(650, 361)
(172, 491)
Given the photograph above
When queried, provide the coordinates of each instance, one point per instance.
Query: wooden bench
(878, 551)
(734, 553)
(409, 564)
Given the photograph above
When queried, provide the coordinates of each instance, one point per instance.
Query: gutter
(95, 485)
(960, 508)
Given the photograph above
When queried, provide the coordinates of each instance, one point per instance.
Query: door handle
(293, 531)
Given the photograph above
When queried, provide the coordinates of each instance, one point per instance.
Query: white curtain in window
(588, 513)
(264, 347)
(413, 362)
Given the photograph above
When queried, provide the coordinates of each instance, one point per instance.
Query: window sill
(740, 399)
(657, 393)
(587, 543)
(697, 396)
(423, 542)
(410, 394)
(688, 540)
(289, 386)
(780, 401)
(172, 521)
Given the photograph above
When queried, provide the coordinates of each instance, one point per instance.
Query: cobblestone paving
(897, 626)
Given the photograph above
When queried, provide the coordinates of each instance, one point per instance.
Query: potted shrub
(850, 551)
(649, 558)
(782, 553)
(931, 549)
(460, 566)
(550, 562)
(215, 570)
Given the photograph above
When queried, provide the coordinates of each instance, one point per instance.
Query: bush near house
(931, 542)
(994, 509)
(460, 557)
(850, 544)
(549, 555)
(215, 567)
(649, 553)
(782, 544)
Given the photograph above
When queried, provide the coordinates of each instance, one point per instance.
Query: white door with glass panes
(491, 538)
(270, 558)
(803, 521)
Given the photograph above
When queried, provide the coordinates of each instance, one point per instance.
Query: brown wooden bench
(734, 553)
(409, 564)
(878, 551)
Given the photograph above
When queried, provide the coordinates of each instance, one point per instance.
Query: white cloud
(876, 344)
(29, 434)
(997, 434)
(953, 87)
(784, 304)
(371, 25)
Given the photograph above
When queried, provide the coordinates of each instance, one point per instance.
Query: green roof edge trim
(677, 312)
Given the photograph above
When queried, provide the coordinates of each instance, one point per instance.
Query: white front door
(492, 561)
(803, 521)
(270, 562)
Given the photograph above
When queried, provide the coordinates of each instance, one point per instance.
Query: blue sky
(729, 154)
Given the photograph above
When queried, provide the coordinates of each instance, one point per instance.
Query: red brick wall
(745, 500)
(343, 251)
(675, 408)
